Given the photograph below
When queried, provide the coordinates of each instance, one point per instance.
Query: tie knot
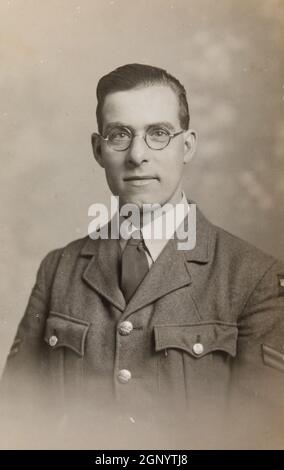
(136, 239)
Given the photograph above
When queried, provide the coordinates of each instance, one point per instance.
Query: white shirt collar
(163, 223)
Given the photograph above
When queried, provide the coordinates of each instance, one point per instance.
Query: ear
(190, 141)
(97, 148)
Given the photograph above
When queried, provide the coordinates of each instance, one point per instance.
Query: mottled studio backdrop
(228, 53)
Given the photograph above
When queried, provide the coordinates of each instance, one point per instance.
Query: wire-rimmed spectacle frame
(156, 139)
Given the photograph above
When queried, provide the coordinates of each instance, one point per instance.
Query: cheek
(112, 179)
(171, 170)
(113, 168)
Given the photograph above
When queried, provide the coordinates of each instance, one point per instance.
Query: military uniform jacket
(200, 344)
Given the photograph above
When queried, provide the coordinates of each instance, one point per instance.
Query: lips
(135, 178)
(140, 181)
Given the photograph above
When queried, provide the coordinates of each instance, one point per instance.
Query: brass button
(124, 376)
(125, 328)
(53, 340)
(198, 348)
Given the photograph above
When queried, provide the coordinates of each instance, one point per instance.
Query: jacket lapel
(171, 270)
(167, 274)
(204, 237)
(102, 272)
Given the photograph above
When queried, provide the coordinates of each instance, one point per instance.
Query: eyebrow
(167, 124)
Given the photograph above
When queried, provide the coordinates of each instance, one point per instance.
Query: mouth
(140, 180)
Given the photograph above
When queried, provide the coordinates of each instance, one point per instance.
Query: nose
(137, 151)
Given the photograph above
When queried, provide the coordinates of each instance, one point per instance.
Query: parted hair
(132, 76)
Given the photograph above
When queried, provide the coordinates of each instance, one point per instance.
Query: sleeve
(22, 379)
(259, 368)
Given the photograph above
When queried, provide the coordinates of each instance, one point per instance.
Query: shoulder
(236, 261)
(236, 247)
(68, 254)
(253, 276)
(240, 252)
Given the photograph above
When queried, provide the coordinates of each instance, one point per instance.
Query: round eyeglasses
(120, 139)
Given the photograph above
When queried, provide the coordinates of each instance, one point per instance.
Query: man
(122, 337)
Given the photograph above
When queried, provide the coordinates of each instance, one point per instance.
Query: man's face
(140, 175)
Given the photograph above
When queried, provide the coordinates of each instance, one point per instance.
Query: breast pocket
(194, 361)
(62, 331)
(65, 338)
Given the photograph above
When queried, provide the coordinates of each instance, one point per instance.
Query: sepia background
(227, 53)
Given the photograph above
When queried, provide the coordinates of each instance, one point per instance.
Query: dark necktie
(134, 265)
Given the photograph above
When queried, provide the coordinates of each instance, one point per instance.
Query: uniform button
(125, 328)
(124, 376)
(53, 340)
(198, 348)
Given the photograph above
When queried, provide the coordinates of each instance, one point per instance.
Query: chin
(140, 200)
(132, 200)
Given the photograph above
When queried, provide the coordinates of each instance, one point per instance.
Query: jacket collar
(204, 237)
(102, 272)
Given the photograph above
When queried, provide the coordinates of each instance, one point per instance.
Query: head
(132, 100)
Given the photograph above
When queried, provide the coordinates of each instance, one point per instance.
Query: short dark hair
(131, 76)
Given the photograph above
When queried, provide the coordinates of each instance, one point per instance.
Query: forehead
(141, 107)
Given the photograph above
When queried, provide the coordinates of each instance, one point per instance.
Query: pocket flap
(62, 330)
(197, 340)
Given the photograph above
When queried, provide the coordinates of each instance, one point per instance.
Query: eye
(158, 135)
(119, 134)
(158, 132)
